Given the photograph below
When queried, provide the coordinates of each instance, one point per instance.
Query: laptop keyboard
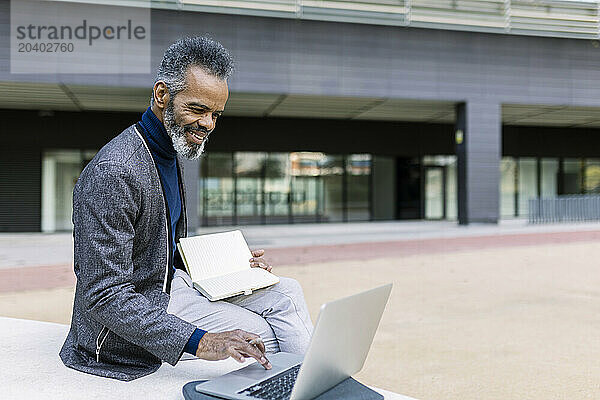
(275, 388)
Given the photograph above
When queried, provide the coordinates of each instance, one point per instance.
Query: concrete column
(191, 176)
(478, 151)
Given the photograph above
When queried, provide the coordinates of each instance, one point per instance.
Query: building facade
(389, 111)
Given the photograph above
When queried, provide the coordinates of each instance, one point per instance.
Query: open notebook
(219, 265)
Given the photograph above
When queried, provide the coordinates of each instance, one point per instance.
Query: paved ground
(476, 313)
(35, 249)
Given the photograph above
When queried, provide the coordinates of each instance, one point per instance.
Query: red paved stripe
(33, 278)
(304, 255)
(54, 276)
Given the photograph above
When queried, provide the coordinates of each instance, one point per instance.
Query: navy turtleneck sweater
(165, 158)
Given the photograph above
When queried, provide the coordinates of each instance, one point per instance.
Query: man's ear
(160, 95)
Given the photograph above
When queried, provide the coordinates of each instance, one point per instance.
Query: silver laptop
(341, 340)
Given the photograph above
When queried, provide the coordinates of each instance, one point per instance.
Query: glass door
(435, 193)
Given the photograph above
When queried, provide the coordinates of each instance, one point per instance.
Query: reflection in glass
(217, 188)
(249, 197)
(305, 186)
(434, 193)
(507, 186)
(60, 171)
(572, 176)
(332, 203)
(358, 170)
(277, 187)
(251, 187)
(527, 183)
(549, 178)
(592, 176)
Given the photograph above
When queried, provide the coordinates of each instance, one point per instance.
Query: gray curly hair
(200, 51)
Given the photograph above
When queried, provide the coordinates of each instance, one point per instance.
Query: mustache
(197, 129)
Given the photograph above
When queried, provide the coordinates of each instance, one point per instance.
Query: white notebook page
(216, 254)
(241, 280)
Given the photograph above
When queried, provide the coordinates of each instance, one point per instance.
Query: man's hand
(258, 262)
(236, 344)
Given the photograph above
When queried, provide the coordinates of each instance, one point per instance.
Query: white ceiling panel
(111, 98)
(410, 110)
(250, 104)
(40, 96)
(517, 114)
(34, 96)
(322, 106)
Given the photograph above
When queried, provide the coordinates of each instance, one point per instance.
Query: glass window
(331, 188)
(249, 197)
(592, 176)
(507, 186)
(306, 180)
(358, 170)
(60, 171)
(527, 184)
(256, 187)
(549, 178)
(217, 189)
(572, 182)
(277, 187)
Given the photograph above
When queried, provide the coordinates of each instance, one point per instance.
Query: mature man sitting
(134, 304)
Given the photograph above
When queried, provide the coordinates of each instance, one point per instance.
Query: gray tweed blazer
(120, 328)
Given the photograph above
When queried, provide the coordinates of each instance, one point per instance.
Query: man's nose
(206, 121)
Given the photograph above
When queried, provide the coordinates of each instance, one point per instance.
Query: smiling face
(191, 115)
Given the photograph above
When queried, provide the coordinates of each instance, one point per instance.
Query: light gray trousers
(278, 313)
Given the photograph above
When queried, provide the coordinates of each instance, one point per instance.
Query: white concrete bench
(31, 368)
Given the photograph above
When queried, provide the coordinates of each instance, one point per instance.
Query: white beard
(190, 151)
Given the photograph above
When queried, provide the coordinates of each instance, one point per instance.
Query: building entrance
(426, 188)
(435, 192)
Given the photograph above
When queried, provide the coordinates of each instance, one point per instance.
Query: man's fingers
(262, 265)
(258, 253)
(260, 344)
(236, 355)
(253, 352)
(253, 346)
(236, 344)
(255, 340)
(258, 262)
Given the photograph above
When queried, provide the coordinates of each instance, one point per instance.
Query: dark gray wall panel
(20, 189)
(483, 152)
